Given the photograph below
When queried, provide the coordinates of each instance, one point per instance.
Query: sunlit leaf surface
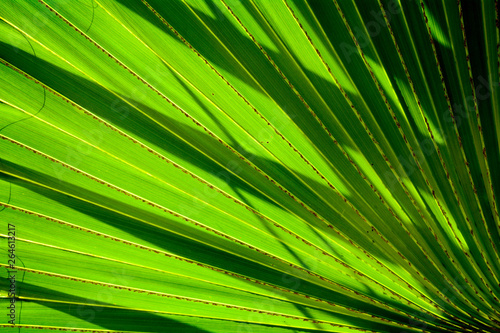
(249, 165)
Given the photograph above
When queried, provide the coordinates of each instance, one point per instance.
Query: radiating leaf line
(351, 162)
(287, 81)
(338, 8)
(443, 163)
(213, 135)
(404, 137)
(34, 299)
(169, 295)
(410, 81)
(353, 328)
(275, 130)
(123, 191)
(258, 113)
(182, 276)
(230, 148)
(417, 162)
(346, 238)
(356, 272)
(414, 155)
(478, 244)
(483, 149)
(481, 155)
(496, 112)
(495, 104)
(322, 251)
(66, 329)
(184, 259)
(453, 186)
(305, 103)
(386, 102)
(389, 108)
(113, 57)
(459, 139)
(219, 233)
(151, 150)
(217, 256)
(326, 65)
(190, 144)
(172, 296)
(315, 116)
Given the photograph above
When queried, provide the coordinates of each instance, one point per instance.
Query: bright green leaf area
(249, 166)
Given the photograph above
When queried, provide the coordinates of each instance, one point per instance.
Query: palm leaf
(250, 166)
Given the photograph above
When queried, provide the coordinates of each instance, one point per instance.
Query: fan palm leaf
(250, 166)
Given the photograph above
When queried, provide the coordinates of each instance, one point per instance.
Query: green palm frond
(250, 166)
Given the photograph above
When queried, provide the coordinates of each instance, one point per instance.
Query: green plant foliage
(249, 166)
